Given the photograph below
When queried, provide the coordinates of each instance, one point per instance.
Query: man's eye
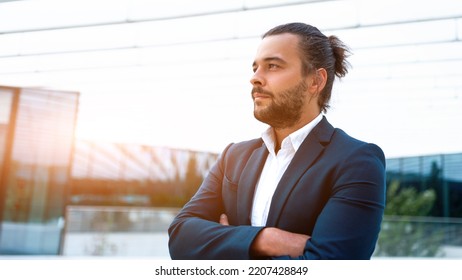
(272, 66)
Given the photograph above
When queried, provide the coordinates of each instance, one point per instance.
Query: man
(305, 190)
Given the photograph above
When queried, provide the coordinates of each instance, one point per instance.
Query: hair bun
(341, 52)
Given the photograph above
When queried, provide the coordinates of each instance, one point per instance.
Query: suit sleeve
(195, 232)
(349, 224)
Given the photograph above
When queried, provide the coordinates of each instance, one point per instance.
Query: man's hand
(274, 242)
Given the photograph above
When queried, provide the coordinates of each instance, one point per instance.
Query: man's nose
(257, 79)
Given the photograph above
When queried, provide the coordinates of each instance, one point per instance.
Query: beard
(285, 108)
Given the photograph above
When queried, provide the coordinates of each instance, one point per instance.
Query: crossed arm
(274, 242)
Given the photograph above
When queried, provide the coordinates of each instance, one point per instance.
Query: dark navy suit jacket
(333, 190)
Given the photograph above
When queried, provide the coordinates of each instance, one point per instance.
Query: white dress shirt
(274, 168)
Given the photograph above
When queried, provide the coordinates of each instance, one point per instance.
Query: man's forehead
(278, 47)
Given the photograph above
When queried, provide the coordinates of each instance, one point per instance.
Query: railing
(403, 236)
(117, 231)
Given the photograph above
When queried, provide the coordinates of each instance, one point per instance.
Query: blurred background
(111, 113)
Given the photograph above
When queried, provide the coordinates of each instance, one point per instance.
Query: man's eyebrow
(271, 58)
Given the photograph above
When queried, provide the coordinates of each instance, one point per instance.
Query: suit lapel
(304, 158)
(248, 182)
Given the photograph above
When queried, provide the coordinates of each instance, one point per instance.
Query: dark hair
(319, 51)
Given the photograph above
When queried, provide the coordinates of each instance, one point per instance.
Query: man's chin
(260, 103)
(260, 116)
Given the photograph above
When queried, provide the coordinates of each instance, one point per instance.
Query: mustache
(262, 91)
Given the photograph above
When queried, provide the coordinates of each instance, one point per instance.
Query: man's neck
(281, 133)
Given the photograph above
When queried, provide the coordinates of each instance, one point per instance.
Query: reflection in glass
(36, 170)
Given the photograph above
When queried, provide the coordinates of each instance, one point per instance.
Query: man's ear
(318, 81)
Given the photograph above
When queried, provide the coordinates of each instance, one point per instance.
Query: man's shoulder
(245, 146)
(348, 145)
(234, 158)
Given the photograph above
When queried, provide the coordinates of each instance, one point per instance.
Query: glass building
(423, 211)
(36, 139)
(440, 173)
(44, 173)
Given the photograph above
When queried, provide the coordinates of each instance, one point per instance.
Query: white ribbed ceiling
(175, 73)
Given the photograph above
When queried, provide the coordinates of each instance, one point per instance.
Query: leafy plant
(403, 234)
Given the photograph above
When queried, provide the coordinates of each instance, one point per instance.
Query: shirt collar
(295, 139)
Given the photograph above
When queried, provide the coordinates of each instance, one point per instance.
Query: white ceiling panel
(374, 12)
(162, 9)
(146, 66)
(324, 15)
(432, 31)
(48, 14)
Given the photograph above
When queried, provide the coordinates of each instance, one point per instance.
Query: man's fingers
(224, 220)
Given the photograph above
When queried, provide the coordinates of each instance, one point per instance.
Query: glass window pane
(38, 171)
